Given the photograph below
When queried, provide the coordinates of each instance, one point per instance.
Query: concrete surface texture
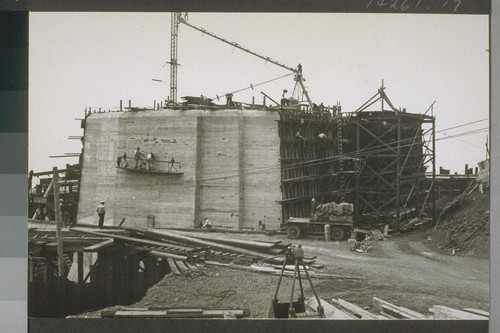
(229, 161)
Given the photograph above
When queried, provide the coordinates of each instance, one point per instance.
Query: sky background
(81, 60)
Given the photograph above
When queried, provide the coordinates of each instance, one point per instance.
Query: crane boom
(298, 71)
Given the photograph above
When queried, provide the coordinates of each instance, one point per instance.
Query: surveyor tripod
(295, 255)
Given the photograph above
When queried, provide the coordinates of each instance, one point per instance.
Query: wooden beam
(160, 254)
(329, 310)
(173, 266)
(238, 242)
(99, 246)
(382, 306)
(477, 311)
(80, 267)
(357, 310)
(445, 312)
(170, 313)
(199, 242)
(60, 251)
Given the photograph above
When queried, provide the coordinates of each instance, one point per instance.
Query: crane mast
(175, 17)
(178, 18)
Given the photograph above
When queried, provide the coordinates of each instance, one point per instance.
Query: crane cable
(254, 85)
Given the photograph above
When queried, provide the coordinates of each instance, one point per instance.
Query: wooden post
(55, 180)
(80, 268)
(328, 235)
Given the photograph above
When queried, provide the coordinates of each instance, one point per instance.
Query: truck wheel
(293, 231)
(337, 233)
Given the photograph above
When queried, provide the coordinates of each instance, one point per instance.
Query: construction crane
(174, 39)
(182, 18)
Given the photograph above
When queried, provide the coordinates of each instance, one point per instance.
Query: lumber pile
(183, 250)
(383, 310)
(174, 313)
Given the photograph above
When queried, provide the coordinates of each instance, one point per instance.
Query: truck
(338, 216)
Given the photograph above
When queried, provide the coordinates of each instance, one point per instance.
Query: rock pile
(464, 229)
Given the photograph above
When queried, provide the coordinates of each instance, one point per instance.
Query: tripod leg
(281, 277)
(301, 298)
(321, 311)
(291, 309)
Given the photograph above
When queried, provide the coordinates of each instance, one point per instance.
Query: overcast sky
(80, 60)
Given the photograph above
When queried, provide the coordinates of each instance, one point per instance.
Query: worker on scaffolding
(63, 207)
(124, 160)
(172, 162)
(150, 158)
(138, 158)
(298, 135)
(229, 99)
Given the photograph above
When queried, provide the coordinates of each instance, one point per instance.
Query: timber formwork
(312, 167)
(381, 161)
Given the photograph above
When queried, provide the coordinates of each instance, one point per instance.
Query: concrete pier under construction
(229, 167)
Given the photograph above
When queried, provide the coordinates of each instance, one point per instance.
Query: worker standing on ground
(101, 212)
(138, 157)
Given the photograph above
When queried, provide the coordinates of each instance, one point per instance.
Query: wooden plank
(175, 236)
(329, 310)
(160, 254)
(285, 273)
(191, 266)
(173, 267)
(383, 307)
(171, 313)
(181, 266)
(445, 312)
(229, 315)
(99, 246)
(357, 310)
(237, 242)
(477, 311)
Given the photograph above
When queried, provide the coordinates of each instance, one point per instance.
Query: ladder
(341, 163)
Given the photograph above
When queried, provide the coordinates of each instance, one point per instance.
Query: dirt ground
(408, 270)
(403, 270)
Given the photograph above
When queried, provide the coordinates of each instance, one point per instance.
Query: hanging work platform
(165, 172)
(152, 166)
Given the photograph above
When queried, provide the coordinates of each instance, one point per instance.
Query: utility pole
(60, 253)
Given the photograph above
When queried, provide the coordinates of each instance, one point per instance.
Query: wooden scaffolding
(381, 161)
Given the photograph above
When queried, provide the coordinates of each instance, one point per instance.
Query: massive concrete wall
(229, 160)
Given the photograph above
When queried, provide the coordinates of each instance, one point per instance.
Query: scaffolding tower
(381, 161)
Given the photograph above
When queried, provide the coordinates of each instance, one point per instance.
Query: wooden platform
(164, 172)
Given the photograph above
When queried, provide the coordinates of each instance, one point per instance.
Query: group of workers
(140, 159)
(321, 137)
(67, 209)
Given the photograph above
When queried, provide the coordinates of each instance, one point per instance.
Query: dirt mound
(464, 228)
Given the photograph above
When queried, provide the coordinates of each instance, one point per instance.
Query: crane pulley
(182, 18)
